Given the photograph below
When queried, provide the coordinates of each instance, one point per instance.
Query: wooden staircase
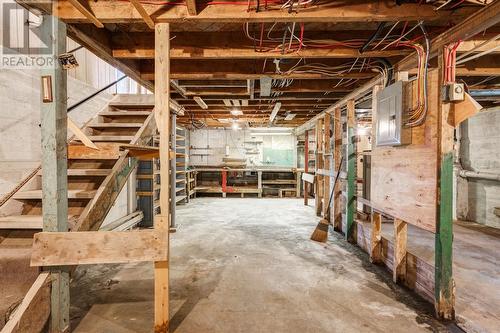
(95, 178)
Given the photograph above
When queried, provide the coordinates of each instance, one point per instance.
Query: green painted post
(444, 286)
(351, 172)
(54, 166)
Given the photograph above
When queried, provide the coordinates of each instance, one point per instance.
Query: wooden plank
(400, 245)
(375, 238)
(31, 315)
(351, 172)
(162, 114)
(463, 110)
(106, 151)
(191, 7)
(87, 12)
(54, 165)
(122, 12)
(403, 179)
(39, 194)
(141, 152)
(97, 209)
(145, 16)
(308, 177)
(337, 156)
(443, 253)
(80, 135)
(98, 247)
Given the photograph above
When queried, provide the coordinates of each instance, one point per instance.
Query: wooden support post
(319, 166)
(259, 183)
(443, 262)
(400, 240)
(306, 166)
(162, 110)
(298, 177)
(337, 156)
(55, 171)
(376, 238)
(173, 170)
(326, 164)
(351, 172)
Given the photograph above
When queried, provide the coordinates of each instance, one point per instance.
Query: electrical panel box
(390, 130)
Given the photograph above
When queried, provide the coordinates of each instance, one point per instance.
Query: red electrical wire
(457, 4)
(301, 36)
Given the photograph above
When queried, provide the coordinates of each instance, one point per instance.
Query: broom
(320, 234)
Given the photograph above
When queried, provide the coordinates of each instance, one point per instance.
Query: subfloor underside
(247, 265)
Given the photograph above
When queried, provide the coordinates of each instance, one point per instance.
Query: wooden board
(98, 247)
(32, 314)
(404, 179)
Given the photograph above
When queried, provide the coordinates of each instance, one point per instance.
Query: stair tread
(23, 221)
(114, 125)
(125, 113)
(72, 194)
(110, 138)
(89, 172)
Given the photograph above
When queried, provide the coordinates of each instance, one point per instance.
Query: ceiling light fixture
(276, 108)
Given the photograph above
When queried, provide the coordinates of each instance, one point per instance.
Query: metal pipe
(479, 175)
(485, 92)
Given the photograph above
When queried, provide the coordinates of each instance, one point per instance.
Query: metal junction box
(389, 127)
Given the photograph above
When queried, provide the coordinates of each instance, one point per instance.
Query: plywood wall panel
(404, 179)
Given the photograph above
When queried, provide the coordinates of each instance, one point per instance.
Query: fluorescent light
(290, 116)
(236, 112)
(200, 102)
(236, 102)
(265, 86)
(276, 108)
(227, 102)
(244, 102)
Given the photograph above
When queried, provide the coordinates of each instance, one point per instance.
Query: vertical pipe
(54, 166)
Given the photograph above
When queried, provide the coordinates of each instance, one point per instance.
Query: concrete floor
(247, 265)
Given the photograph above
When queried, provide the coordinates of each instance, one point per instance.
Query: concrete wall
(208, 147)
(480, 151)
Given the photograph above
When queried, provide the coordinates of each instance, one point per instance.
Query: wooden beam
(351, 172)
(145, 16)
(98, 247)
(443, 253)
(191, 7)
(55, 170)
(377, 11)
(86, 11)
(162, 113)
(474, 24)
(97, 41)
(400, 241)
(228, 45)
